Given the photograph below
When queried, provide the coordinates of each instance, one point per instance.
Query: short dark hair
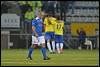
(58, 17)
(50, 14)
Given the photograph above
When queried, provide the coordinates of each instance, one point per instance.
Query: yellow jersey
(59, 28)
(29, 15)
(22, 2)
(49, 24)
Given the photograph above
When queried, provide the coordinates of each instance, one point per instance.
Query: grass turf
(69, 57)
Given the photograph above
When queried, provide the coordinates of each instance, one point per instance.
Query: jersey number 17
(58, 26)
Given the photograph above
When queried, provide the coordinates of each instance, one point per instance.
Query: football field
(69, 57)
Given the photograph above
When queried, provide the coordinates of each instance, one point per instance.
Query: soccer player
(49, 22)
(37, 36)
(59, 35)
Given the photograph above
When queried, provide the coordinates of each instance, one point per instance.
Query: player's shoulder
(53, 18)
(45, 17)
(37, 18)
(33, 20)
(61, 21)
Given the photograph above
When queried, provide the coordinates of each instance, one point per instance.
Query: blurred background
(16, 19)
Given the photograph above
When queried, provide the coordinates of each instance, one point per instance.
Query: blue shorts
(59, 38)
(49, 35)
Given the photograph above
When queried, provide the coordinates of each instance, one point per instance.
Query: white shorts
(38, 40)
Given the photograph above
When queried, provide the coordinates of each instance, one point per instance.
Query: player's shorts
(59, 38)
(38, 40)
(49, 35)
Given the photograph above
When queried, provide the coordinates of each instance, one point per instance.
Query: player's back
(49, 22)
(59, 27)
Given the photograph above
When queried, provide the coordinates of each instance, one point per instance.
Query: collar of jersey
(37, 18)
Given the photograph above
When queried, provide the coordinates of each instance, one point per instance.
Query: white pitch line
(54, 58)
(13, 59)
(21, 62)
(46, 63)
(25, 62)
(13, 62)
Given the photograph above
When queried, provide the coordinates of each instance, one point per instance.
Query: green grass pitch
(69, 57)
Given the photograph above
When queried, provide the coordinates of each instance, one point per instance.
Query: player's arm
(63, 28)
(43, 29)
(33, 29)
(45, 23)
(63, 24)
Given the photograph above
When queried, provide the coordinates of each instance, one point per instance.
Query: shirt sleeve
(53, 20)
(33, 23)
(45, 20)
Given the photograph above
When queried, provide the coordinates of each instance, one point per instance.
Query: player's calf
(44, 52)
(60, 51)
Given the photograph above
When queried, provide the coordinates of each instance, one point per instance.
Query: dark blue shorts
(59, 38)
(49, 35)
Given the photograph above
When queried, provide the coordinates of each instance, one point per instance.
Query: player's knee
(52, 40)
(48, 41)
(33, 46)
(43, 45)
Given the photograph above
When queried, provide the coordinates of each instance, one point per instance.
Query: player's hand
(36, 34)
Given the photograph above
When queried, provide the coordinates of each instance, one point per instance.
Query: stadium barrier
(10, 21)
(14, 41)
(5, 39)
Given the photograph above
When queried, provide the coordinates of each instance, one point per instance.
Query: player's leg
(44, 52)
(57, 46)
(34, 42)
(53, 41)
(30, 51)
(61, 47)
(42, 41)
(53, 46)
(47, 37)
(57, 43)
(80, 45)
(61, 43)
(49, 46)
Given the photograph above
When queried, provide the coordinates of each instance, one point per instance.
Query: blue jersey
(38, 24)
